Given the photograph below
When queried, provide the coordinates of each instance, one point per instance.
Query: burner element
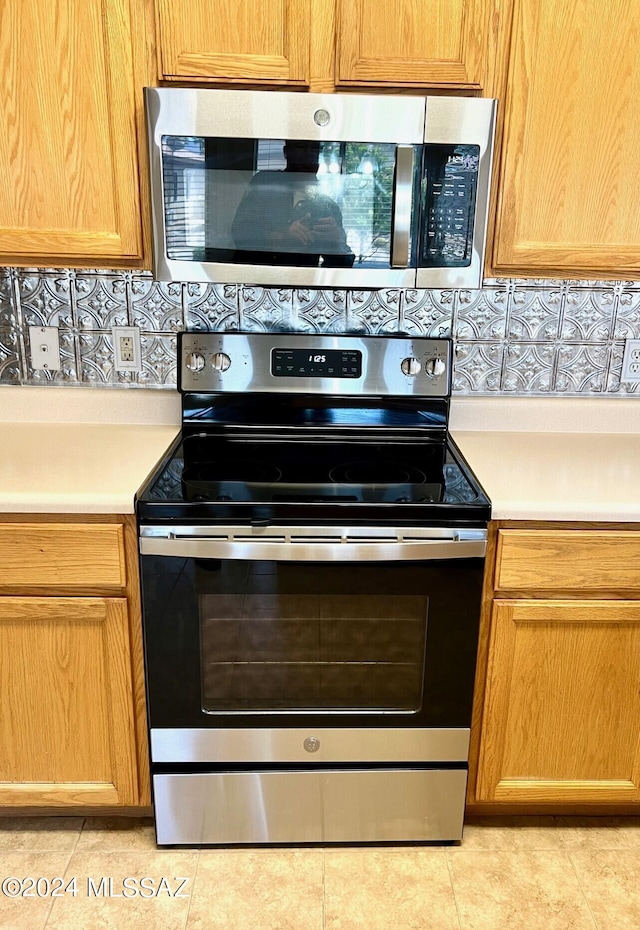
(376, 473)
(234, 470)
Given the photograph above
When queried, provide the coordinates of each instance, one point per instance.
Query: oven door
(280, 643)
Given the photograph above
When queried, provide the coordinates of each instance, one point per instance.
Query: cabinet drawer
(50, 555)
(553, 560)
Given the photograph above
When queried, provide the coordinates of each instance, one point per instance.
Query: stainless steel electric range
(311, 552)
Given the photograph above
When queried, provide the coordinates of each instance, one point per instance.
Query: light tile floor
(556, 873)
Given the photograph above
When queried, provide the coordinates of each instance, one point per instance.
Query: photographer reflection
(284, 219)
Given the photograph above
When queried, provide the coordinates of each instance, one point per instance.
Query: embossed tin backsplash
(518, 337)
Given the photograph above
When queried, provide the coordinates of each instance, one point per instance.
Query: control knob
(220, 361)
(410, 366)
(434, 367)
(194, 361)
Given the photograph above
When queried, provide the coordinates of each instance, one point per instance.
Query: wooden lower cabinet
(561, 714)
(557, 706)
(72, 711)
(67, 734)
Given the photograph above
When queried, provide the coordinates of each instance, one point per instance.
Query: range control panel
(316, 363)
(313, 364)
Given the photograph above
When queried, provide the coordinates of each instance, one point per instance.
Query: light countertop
(80, 450)
(88, 451)
(553, 458)
(556, 476)
(76, 468)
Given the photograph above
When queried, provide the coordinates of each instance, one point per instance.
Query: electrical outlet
(126, 348)
(631, 360)
(45, 347)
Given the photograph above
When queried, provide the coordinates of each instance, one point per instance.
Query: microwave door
(276, 188)
(323, 213)
(456, 174)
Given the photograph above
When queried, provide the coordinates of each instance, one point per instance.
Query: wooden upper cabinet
(235, 40)
(410, 42)
(69, 184)
(323, 44)
(569, 168)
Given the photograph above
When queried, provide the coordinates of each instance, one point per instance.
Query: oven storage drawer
(321, 806)
(567, 560)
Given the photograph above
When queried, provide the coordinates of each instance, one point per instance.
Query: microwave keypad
(451, 182)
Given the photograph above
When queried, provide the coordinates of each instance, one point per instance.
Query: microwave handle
(402, 196)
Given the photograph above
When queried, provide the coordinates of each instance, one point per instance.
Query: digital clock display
(316, 363)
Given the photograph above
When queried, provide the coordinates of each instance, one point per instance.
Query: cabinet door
(68, 165)
(240, 41)
(569, 176)
(561, 719)
(405, 42)
(67, 734)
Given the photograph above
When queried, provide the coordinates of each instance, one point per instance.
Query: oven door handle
(349, 551)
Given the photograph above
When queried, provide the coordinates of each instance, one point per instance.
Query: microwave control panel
(450, 182)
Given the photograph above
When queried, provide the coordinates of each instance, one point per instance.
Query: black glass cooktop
(223, 477)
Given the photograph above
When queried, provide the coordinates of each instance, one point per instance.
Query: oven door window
(309, 639)
(234, 643)
(279, 202)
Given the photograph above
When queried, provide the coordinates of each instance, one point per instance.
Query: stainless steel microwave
(319, 190)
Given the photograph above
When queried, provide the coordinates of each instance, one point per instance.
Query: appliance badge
(311, 744)
(321, 118)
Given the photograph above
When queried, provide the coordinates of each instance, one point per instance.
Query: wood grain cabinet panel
(323, 44)
(67, 736)
(240, 41)
(568, 173)
(561, 720)
(562, 560)
(72, 704)
(50, 555)
(405, 42)
(69, 172)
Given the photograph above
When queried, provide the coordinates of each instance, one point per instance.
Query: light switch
(45, 347)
